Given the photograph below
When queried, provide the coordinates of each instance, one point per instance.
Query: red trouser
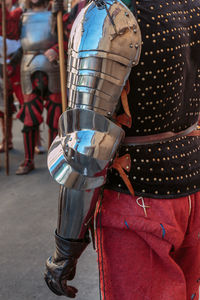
(156, 256)
(31, 111)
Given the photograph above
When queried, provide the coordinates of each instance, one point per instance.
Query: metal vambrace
(74, 213)
(104, 44)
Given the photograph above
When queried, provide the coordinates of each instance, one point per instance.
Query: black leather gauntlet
(62, 265)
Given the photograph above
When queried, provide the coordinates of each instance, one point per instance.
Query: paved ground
(28, 212)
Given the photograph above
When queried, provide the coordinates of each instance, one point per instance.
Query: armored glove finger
(61, 267)
(57, 286)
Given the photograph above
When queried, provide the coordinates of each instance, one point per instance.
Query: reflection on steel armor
(75, 209)
(87, 142)
(105, 43)
(36, 38)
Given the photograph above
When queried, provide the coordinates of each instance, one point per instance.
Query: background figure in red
(14, 91)
(11, 110)
(13, 82)
(39, 74)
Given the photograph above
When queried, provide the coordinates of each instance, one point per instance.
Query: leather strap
(164, 136)
(123, 163)
(125, 118)
(195, 132)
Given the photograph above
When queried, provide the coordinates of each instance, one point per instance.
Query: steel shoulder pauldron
(104, 44)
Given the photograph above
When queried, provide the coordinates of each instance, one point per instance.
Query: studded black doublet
(165, 96)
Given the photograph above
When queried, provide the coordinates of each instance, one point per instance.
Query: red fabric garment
(54, 109)
(12, 23)
(67, 25)
(30, 112)
(30, 140)
(16, 84)
(156, 256)
(68, 20)
(56, 48)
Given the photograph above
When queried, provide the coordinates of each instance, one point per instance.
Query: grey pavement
(28, 215)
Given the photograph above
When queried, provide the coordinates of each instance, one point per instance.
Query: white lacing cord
(142, 204)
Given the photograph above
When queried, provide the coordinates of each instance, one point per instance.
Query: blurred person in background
(39, 73)
(14, 88)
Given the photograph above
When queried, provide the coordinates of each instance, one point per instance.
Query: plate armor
(36, 38)
(104, 44)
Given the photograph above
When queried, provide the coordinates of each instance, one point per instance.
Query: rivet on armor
(126, 14)
(131, 45)
(119, 185)
(136, 46)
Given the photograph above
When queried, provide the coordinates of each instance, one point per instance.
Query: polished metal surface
(105, 42)
(36, 38)
(36, 31)
(64, 174)
(31, 63)
(87, 142)
(74, 211)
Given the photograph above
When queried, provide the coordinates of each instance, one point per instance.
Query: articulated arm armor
(105, 43)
